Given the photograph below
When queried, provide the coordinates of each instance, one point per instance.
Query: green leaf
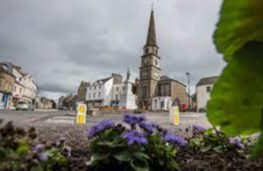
(122, 156)
(219, 149)
(3, 154)
(23, 147)
(206, 148)
(241, 21)
(237, 97)
(258, 150)
(139, 165)
(141, 156)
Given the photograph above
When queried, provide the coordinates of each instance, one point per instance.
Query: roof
(207, 80)
(151, 37)
(166, 78)
(103, 80)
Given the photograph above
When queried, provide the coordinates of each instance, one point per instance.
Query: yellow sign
(174, 115)
(81, 115)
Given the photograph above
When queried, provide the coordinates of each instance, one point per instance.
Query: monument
(127, 99)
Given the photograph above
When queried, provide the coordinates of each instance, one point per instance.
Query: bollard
(174, 117)
(81, 115)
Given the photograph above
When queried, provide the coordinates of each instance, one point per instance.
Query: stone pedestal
(128, 99)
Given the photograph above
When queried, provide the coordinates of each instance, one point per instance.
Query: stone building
(7, 80)
(24, 87)
(203, 90)
(156, 92)
(82, 91)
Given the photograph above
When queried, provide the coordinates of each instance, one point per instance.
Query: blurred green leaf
(237, 97)
(122, 156)
(139, 165)
(241, 21)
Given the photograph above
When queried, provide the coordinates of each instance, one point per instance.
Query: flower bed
(135, 144)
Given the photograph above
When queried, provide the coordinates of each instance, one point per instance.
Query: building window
(123, 88)
(94, 87)
(20, 91)
(144, 91)
(117, 88)
(99, 94)
(156, 62)
(116, 97)
(89, 95)
(94, 95)
(208, 89)
(100, 86)
(146, 50)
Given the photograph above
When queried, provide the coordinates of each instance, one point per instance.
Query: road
(60, 117)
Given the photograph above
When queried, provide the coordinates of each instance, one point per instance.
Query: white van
(21, 105)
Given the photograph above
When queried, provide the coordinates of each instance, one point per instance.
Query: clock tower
(150, 68)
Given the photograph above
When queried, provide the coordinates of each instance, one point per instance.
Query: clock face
(146, 61)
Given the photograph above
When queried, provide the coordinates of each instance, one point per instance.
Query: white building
(161, 103)
(203, 90)
(111, 91)
(100, 93)
(30, 89)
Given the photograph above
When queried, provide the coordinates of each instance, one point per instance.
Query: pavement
(65, 117)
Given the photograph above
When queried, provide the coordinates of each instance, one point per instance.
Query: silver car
(22, 106)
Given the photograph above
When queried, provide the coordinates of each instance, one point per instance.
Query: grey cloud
(63, 42)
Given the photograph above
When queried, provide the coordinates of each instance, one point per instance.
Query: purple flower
(132, 119)
(43, 157)
(135, 136)
(99, 127)
(198, 129)
(236, 141)
(148, 127)
(175, 139)
(38, 148)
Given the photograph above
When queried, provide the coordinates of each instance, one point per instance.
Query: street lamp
(188, 78)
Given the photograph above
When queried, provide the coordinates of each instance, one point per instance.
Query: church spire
(151, 37)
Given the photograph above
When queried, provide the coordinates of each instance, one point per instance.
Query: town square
(131, 85)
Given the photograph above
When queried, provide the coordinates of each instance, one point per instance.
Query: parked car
(22, 106)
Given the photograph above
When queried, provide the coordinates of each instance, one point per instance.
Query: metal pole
(188, 76)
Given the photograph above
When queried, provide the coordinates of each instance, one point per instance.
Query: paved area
(52, 125)
(63, 117)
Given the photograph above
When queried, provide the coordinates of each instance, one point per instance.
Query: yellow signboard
(174, 117)
(81, 115)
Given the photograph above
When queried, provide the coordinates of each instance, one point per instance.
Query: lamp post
(188, 78)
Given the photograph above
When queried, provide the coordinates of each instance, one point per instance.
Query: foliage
(19, 151)
(237, 98)
(212, 140)
(141, 146)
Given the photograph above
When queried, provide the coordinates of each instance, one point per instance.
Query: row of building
(152, 91)
(18, 86)
(15, 85)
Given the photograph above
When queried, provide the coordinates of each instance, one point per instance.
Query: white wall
(156, 103)
(202, 96)
(117, 91)
(108, 88)
(30, 88)
(102, 89)
(18, 88)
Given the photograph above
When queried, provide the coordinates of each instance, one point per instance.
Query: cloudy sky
(61, 42)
